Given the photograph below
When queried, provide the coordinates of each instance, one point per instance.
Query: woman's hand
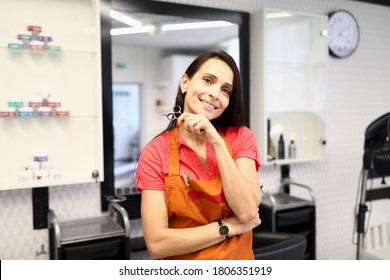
(199, 125)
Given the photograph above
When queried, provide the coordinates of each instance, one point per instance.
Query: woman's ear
(184, 83)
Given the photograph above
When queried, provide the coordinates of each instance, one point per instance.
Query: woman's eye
(226, 91)
(207, 80)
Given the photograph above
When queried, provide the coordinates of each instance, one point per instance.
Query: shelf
(34, 118)
(72, 77)
(44, 52)
(290, 161)
(89, 229)
(48, 182)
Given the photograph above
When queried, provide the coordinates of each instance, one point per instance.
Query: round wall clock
(343, 34)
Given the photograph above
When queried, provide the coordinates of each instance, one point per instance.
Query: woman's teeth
(208, 105)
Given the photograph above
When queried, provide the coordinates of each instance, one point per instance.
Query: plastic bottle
(292, 149)
(281, 147)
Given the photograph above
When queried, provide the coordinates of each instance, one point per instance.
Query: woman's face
(209, 90)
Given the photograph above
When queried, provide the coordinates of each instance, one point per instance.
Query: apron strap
(173, 153)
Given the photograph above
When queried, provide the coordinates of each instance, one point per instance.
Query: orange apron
(201, 203)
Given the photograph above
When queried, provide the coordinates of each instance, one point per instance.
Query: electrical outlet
(40, 201)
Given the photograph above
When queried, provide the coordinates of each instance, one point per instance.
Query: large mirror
(152, 43)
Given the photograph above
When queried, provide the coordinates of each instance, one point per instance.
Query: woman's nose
(214, 93)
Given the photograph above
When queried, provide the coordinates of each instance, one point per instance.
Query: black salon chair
(278, 246)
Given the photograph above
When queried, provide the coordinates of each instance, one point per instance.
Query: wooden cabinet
(288, 84)
(41, 146)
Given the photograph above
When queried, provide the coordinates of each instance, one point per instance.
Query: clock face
(224, 230)
(343, 34)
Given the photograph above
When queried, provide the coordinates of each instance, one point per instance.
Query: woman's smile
(208, 104)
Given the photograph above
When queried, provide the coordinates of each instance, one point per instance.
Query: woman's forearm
(174, 242)
(240, 183)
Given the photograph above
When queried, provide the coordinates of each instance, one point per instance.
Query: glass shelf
(46, 52)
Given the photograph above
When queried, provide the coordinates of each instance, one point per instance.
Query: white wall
(142, 65)
(358, 93)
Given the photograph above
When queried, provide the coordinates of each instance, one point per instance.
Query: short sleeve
(243, 144)
(151, 165)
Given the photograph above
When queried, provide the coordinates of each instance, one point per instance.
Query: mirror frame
(165, 8)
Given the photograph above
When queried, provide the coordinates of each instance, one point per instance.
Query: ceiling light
(125, 19)
(169, 27)
(132, 30)
(195, 25)
(278, 15)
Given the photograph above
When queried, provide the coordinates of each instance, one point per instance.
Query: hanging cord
(388, 130)
(357, 205)
(354, 241)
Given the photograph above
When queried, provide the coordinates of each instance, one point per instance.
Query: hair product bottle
(292, 149)
(281, 147)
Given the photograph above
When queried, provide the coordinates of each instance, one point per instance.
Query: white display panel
(70, 146)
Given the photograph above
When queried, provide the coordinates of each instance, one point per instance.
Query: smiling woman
(151, 60)
(196, 175)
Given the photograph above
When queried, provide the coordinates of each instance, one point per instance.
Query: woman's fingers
(194, 123)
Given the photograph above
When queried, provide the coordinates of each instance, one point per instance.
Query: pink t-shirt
(153, 162)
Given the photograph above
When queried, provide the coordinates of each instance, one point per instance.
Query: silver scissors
(176, 113)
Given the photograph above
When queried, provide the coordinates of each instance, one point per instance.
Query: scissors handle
(175, 114)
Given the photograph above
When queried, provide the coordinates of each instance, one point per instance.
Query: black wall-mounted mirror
(143, 67)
